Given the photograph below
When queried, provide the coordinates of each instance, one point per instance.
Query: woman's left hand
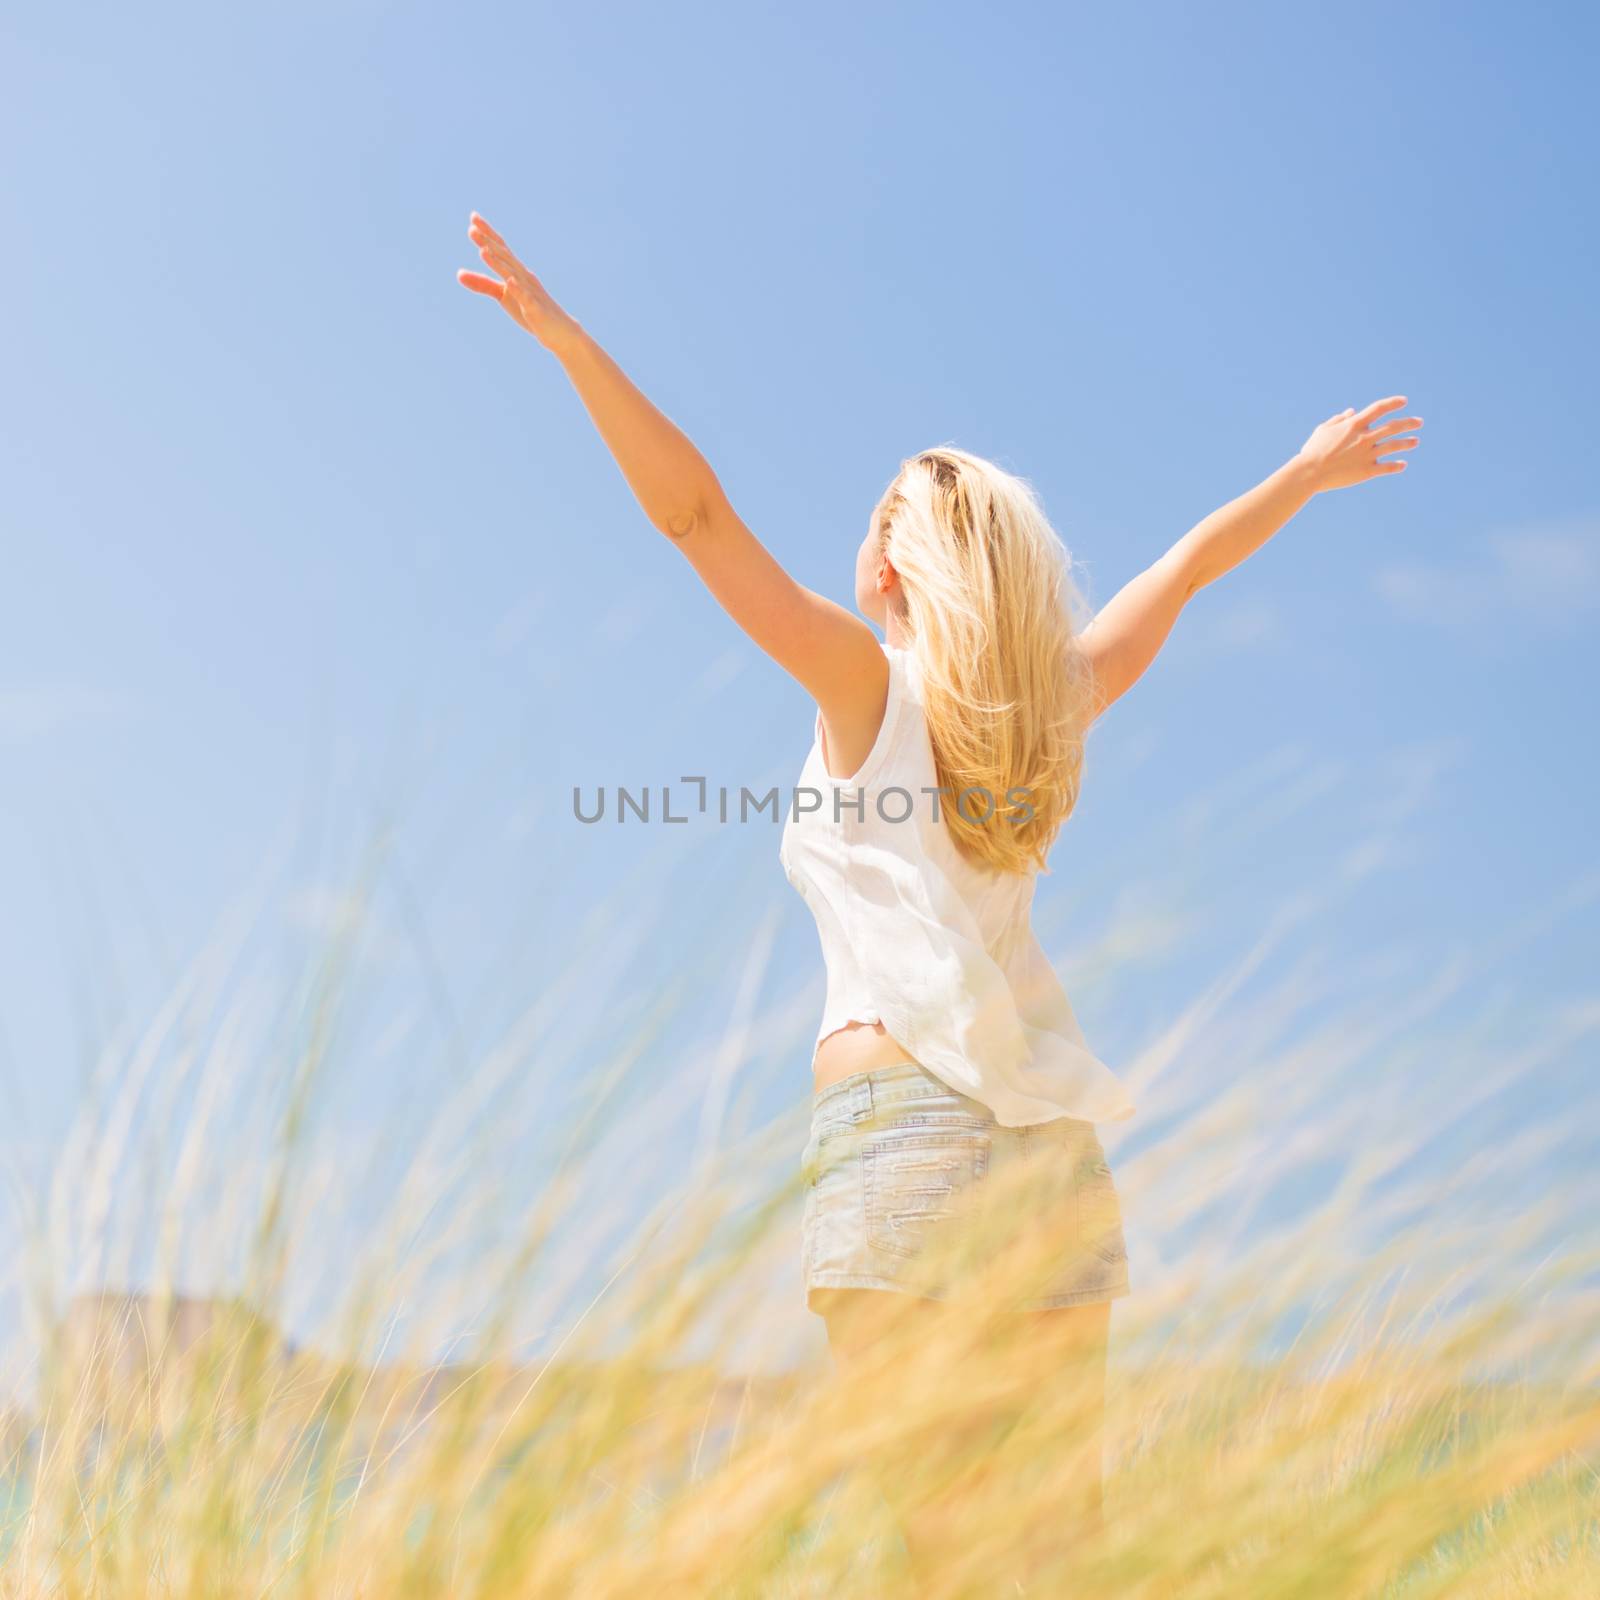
(1347, 448)
(524, 298)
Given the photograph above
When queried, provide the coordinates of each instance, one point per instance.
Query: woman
(948, 1053)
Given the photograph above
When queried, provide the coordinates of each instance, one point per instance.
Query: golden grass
(1383, 1396)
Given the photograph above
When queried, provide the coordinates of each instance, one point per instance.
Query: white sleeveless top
(939, 949)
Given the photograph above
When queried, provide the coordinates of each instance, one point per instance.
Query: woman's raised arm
(833, 653)
(1347, 449)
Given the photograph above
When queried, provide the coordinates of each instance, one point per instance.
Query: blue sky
(299, 534)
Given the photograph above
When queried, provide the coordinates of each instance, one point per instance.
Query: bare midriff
(856, 1047)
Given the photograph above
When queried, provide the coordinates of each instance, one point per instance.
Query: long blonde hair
(987, 606)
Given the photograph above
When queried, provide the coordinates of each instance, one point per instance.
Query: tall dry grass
(265, 1357)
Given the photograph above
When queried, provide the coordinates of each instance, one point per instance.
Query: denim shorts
(894, 1150)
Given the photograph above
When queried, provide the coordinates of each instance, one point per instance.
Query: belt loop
(861, 1098)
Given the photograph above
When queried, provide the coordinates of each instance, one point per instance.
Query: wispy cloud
(33, 712)
(1245, 625)
(515, 628)
(625, 616)
(721, 672)
(1548, 575)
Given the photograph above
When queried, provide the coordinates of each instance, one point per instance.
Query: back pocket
(917, 1181)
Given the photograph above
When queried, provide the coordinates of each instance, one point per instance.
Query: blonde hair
(987, 605)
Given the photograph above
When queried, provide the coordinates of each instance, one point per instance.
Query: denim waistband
(857, 1095)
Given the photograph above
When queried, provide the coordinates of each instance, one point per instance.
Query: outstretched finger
(1378, 407)
(477, 221)
(1384, 446)
(480, 284)
(1404, 425)
(502, 260)
(488, 241)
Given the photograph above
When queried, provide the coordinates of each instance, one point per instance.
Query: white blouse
(938, 948)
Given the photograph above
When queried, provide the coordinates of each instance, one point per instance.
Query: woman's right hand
(1346, 449)
(523, 297)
